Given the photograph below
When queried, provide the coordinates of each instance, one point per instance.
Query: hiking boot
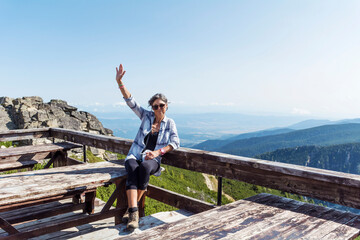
(133, 220)
(125, 217)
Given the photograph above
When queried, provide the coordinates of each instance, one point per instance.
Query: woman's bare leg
(132, 196)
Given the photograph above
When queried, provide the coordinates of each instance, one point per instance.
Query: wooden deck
(263, 216)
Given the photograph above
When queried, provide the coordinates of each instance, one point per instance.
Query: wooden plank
(57, 226)
(44, 213)
(267, 217)
(27, 186)
(178, 200)
(35, 149)
(44, 199)
(113, 144)
(24, 134)
(336, 187)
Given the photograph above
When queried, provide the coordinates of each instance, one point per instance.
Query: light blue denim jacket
(167, 134)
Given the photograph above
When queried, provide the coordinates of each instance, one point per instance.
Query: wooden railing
(332, 186)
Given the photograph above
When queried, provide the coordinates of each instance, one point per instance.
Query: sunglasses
(155, 107)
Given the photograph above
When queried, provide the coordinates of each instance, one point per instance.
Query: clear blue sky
(263, 57)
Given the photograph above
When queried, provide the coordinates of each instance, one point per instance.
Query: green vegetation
(7, 144)
(240, 190)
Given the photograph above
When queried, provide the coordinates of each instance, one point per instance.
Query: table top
(263, 216)
(25, 186)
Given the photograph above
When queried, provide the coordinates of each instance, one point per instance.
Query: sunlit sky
(252, 57)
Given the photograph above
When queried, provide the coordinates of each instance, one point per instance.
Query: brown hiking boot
(125, 217)
(133, 220)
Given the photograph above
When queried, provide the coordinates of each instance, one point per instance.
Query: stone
(6, 101)
(79, 115)
(63, 105)
(32, 112)
(110, 156)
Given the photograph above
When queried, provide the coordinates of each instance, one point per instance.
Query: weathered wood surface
(113, 144)
(23, 134)
(6, 153)
(260, 217)
(27, 186)
(332, 186)
(27, 156)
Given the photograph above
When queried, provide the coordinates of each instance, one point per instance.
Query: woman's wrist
(162, 151)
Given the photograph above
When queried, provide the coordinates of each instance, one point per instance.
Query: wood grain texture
(23, 134)
(336, 187)
(261, 217)
(27, 186)
(113, 144)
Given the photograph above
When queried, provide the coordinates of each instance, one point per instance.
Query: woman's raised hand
(119, 74)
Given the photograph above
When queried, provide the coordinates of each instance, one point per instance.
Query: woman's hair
(158, 96)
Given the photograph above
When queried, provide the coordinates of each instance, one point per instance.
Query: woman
(157, 135)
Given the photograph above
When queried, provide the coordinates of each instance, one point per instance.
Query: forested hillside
(342, 158)
(321, 136)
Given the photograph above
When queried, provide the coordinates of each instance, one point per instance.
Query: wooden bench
(28, 156)
(37, 187)
(263, 216)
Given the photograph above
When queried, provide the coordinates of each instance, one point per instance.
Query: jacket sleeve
(137, 109)
(174, 137)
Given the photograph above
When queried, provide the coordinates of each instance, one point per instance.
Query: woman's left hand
(152, 155)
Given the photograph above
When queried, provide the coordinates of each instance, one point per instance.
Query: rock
(32, 112)
(63, 105)
(5, 120)
(6, 101)
(79, 115)
(110, 156)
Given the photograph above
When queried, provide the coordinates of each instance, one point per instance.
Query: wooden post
(84, 152)
(219, 192)
(121, 201)
(59, 159)
(142, 205)
(89, 202)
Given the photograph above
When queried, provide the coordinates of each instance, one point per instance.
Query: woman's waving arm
(119, 75)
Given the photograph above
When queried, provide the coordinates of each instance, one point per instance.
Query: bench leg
(59, 159)
(121, 200)
(142, 205)
(7, 226)
(89, 202)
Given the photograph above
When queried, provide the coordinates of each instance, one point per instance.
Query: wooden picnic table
(28, 156)
(263, 216)
(28, 188)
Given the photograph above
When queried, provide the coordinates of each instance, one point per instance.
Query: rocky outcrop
(32, 112)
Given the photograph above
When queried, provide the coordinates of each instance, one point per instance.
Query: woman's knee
(131, 165)
(148, 166)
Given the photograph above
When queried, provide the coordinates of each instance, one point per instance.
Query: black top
(150, 140)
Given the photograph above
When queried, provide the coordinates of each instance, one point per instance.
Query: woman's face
(159, 107)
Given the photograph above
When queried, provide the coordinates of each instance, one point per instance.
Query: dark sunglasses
(155, 107)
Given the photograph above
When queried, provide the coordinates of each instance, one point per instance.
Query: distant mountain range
(340, 157)
(253, 144)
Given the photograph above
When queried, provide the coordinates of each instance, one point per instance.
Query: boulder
(32, 112)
